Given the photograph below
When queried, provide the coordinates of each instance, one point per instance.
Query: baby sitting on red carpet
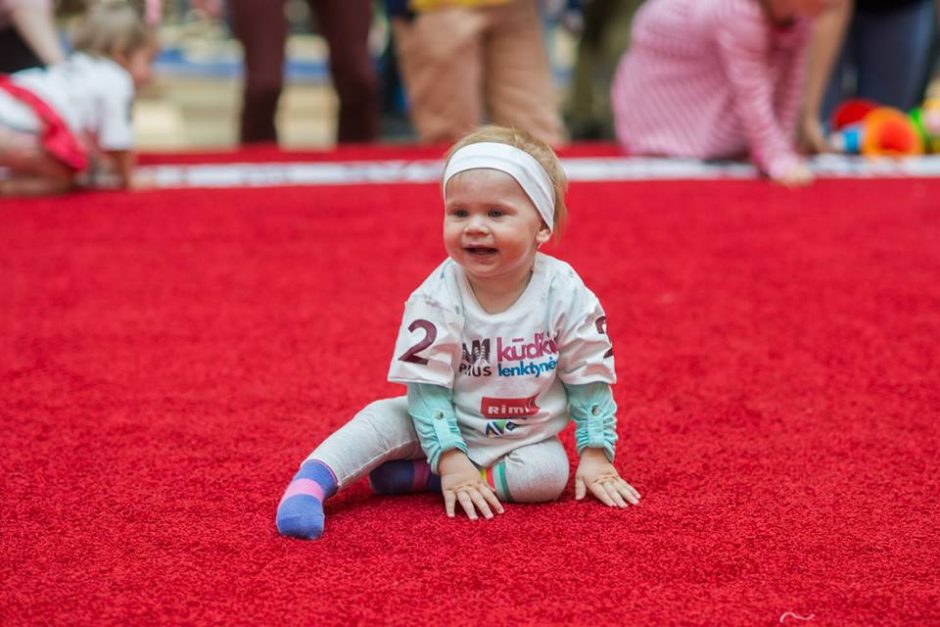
(499, 347)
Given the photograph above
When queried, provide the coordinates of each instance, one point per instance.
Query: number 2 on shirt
(430, 334)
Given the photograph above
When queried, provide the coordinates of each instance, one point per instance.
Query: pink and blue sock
(300, 512)
(404, 476)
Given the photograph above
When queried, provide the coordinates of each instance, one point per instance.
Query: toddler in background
(55, 121)
(499, 347)
(717, 79)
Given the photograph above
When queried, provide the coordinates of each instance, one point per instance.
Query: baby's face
(491, 227)
(138, 64)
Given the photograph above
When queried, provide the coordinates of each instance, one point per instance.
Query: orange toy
(881, 131)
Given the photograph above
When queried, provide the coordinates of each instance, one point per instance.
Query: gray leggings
(383, 432)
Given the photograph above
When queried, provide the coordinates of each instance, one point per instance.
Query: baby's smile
(480, 251)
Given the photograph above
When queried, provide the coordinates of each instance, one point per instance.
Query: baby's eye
(459, 213)
(496, 213)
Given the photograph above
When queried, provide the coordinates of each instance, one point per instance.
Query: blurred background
(195, 98)
(579, 70)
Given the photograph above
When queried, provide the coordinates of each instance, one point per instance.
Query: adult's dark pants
(885, 58)
(261, 27)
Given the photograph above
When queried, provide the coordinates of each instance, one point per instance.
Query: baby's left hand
(598, 474)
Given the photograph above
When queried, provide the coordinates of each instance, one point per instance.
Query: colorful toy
(852, 112)
(927, 121)
(863, 127)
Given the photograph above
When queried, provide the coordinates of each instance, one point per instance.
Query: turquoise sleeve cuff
(432, 410)
(594, 412)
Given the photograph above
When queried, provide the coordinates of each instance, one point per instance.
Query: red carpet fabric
(168, 358)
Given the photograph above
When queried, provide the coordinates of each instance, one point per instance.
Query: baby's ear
(543, 235)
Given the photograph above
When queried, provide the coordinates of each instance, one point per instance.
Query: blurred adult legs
(439, 59)
(888, 54)
(262, 29)
(458, 63)
(518, 86)
(605, 36)
(345, 25)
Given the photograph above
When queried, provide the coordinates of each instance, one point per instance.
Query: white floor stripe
(578, 169)
(277, 174)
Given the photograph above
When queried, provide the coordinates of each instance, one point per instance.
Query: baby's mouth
(480, 251)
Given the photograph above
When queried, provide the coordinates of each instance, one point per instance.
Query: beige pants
(462, 66)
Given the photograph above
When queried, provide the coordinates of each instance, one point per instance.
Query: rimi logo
(502, 413)
(508, 407)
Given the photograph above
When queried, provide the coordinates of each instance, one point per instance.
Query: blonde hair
(110, 28)
(539, 150)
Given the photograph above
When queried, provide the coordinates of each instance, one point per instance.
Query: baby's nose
(476, 224)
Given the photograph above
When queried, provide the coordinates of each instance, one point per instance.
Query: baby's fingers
(611, 487)
(492, 499)
(450, 500)
(481, 504)
(467, 505)
(579, 488)
(629, 492)
(598, 490)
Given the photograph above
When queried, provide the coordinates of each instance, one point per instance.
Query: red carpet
(168, 358)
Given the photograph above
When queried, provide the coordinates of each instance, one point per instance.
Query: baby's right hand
(798, 175)
(461, 481)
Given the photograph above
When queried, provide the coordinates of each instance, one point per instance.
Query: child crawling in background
(712, 79)
(56, 121)
(499, 346)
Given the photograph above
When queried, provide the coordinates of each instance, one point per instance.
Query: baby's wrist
(591, 453)
(452, 461)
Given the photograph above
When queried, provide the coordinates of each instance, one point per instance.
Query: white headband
(517, 163)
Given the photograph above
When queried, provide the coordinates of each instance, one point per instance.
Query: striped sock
(495, 477)
(404, 476)
(300, 512)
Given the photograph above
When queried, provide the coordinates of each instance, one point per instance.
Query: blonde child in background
(56, 121)
(499, 347)
(717, 79)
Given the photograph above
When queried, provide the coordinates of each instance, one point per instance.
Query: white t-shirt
(92, 95)
(506, 369)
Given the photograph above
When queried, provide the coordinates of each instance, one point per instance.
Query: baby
(499, 347)
(55, 121)
(713, 79)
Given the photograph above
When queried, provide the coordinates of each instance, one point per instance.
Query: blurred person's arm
(124, 175)
(825, 45)
(743, 42)
(788, 97)
(35, 23)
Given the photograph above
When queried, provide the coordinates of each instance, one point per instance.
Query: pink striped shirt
(711, 79)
